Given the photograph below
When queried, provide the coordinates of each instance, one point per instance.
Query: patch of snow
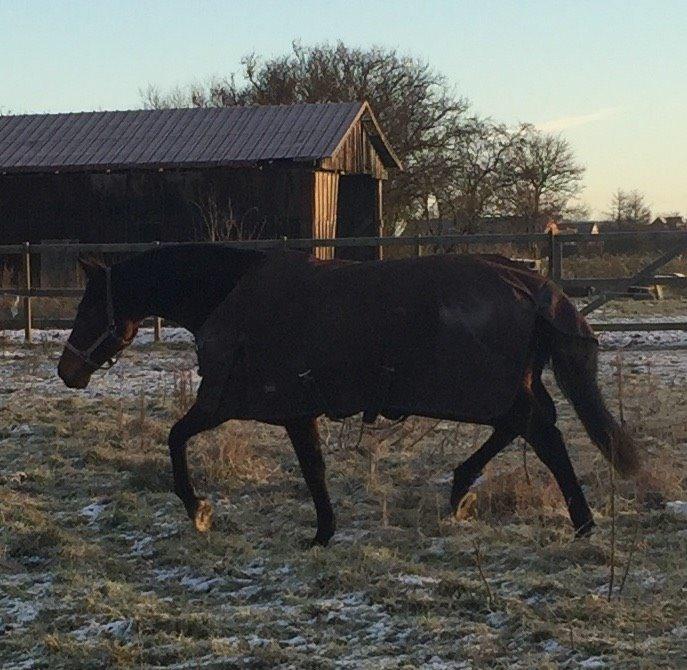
(497, 619)
(329, 604)
(26, 664)
(200, 584)
(437, 548)
(552, 646)
(416, 580)
(677, 507)
(20, 430)
(209, 661)
(248, 592)
(379, 629)
(14, 355)
(93, 511)
(255, 568)
(192, 583)
(297, 641)
(479, 482)
(254, 641)
(165, 575)
(120, 629)
(20, 611)
(142, 547)
(350, 535)
(145, 335)
(438, 663)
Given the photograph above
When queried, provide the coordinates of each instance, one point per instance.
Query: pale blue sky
(611, 75)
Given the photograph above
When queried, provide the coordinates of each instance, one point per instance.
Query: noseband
(109, 336)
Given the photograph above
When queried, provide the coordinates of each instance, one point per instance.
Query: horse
(284, 338)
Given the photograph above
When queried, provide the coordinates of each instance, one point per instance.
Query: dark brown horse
(283, 338)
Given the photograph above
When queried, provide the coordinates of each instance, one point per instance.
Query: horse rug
(446, 336)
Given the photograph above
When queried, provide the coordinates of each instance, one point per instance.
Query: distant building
(668, 223)
(579, 227)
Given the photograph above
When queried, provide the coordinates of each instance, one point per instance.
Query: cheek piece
(109, 337)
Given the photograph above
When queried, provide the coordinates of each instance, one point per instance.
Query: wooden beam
(28, 326)
(641, 276)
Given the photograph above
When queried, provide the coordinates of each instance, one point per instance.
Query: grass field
(99, 567)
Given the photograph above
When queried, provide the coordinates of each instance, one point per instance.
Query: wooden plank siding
(325, 202)
(356, 155)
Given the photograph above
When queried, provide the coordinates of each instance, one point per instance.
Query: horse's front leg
(193, 422)
(306, 442)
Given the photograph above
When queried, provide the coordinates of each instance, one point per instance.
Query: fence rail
(551, 247)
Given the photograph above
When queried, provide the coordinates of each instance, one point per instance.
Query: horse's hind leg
(193, 422)
(306, 443)
(465, 475)
(549, 446)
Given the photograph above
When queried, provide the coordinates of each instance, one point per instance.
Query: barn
(296, 171)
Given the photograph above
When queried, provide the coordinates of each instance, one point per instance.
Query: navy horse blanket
(439, 336)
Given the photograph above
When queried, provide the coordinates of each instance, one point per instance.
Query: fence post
(157, 325)
(28, 325)
(555, 257)
(418, 247)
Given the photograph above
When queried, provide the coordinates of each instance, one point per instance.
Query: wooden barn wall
(147, 206)
(325, 201)
(357, 155)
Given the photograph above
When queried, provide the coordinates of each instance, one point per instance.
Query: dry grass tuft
(508, 494)
(228, 453)
(658, 482)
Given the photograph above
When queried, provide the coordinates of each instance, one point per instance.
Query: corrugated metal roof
(176, 137)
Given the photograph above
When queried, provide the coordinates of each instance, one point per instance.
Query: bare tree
(576, 210)
(415, 105)
(219, 222)
(629, 208)
(540, 176)
(616, 210)
(477, 158)
(637, 211)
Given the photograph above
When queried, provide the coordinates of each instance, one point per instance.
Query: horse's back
(445, 336)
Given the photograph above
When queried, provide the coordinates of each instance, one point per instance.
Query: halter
(110, 335)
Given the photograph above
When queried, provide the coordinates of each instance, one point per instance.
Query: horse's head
(100, 331)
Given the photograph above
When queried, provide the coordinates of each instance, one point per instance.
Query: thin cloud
(566, 122)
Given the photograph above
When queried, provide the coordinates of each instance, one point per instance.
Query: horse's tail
(574, 362)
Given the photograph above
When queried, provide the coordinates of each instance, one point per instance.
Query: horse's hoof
(461, 490)
(315, 542)
(585, 530)
(202, 519)
(465, 508)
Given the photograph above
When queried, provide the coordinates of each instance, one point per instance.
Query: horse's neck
(183, 285)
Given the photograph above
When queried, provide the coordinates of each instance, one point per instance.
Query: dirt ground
(99, 567)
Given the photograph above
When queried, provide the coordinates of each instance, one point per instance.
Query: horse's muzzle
(71, 371)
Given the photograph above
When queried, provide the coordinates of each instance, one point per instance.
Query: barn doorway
(357, 215)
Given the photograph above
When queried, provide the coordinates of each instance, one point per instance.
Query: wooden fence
(550, 246)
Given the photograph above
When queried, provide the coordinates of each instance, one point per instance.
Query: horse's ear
(90, 266)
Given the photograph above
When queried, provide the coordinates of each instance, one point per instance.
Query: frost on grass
(99, 563)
